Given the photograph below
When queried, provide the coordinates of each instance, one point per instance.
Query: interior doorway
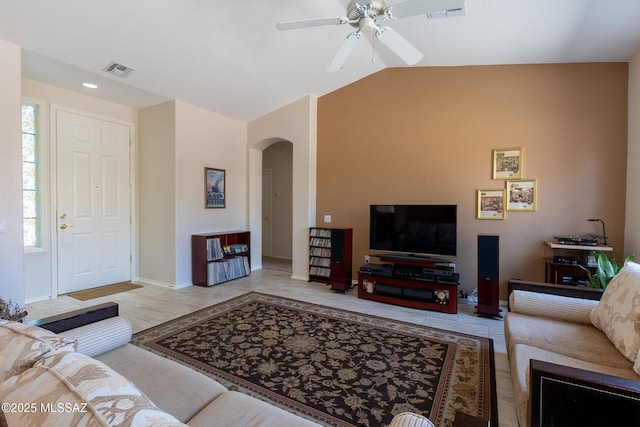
(267, 185)
(277, 206)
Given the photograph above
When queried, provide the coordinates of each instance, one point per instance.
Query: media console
(411, 281)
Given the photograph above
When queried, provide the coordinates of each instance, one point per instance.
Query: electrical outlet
(366, 259)
(327, 219)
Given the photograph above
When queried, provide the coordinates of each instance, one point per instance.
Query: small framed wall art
(214, 183)
(522, 195)
(507, 163)
(491, 204)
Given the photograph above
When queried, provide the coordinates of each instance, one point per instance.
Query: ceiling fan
(369, 17)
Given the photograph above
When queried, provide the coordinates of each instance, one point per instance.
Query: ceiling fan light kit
(368, 17)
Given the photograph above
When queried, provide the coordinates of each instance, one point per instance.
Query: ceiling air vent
(450, 13)
(118, 69)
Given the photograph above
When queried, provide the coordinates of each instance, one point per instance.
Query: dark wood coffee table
(466, 420)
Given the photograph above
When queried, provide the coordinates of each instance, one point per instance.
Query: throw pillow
(102, 336)
(618, 312)
(71, 389)
(22, 345)
(410, 419)
(540, 304)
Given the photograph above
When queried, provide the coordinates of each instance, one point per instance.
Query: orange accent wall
(425, 136)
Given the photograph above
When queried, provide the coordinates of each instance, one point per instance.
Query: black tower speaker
(488, 276)
(337, 245)
(341, 253)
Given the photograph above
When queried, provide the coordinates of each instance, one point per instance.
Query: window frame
(42, 165)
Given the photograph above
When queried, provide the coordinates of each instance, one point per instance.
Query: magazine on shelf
(238, 248)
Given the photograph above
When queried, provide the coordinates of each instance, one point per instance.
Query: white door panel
(93, 203)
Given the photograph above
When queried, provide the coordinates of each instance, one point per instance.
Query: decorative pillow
(559, 307)
(71, 389)
(102, 336)
(22, 345)
(618, 312)
(409, 419)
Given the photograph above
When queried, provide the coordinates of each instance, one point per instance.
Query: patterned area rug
(334, 366)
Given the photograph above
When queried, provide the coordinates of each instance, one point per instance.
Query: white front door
(93, 202)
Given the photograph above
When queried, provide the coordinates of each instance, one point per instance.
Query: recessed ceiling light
(90, 85)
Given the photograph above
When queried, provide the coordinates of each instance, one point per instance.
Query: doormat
(336, 367)
(102, 291)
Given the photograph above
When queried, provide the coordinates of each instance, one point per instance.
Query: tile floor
(152, 305)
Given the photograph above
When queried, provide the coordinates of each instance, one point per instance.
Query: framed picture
(522, 195)
(507, 163)
(491, 204)
(214, 195)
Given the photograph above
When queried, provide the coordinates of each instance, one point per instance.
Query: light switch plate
(3, 227)
(327, 219)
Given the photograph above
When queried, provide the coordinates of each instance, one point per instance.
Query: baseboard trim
(43, 298)
(156, 282)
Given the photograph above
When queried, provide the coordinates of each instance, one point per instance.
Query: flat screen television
(422, 229)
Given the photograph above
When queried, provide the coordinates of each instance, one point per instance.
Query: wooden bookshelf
(219, 257)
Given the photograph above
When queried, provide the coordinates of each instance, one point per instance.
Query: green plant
(605, 270)
(11, 311)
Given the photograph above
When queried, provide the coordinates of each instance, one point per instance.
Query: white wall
(206, 139)
(156, 185)
(177, 141)
(83, 102)
(11, 241)
(297, 123)
(632, 215)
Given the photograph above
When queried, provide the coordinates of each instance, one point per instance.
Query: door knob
(65, 226)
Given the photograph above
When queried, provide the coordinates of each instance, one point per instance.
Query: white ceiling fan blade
(343, 52)
(399, 45)
(422, 7)
(319, 22)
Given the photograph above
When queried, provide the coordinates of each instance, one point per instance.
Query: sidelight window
(31, 194)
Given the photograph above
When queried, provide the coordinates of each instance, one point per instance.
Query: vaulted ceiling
(228, 56)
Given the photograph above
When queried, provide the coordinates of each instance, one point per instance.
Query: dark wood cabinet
(566, 265)
(219, 257)
(330, 257)
(565, 274)
(387, 287)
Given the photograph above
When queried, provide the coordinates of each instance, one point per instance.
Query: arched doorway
(297, 123)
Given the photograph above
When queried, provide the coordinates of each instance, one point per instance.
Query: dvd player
(576, 240)
(384, 270)
(439, 271)
(453, 279)
(450, 280)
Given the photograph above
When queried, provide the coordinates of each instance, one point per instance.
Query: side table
(569, 273)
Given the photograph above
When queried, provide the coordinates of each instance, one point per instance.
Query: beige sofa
(91, 375)
(596, 336)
